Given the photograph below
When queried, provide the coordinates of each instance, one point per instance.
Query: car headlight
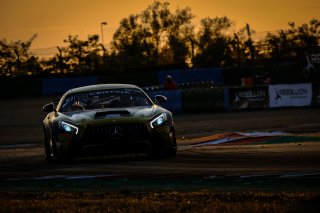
(158, 121)
(69, 127)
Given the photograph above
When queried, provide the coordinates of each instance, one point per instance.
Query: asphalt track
(288, 161)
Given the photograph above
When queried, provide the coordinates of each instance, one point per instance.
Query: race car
(107, 119)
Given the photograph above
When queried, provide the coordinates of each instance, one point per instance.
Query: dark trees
(214, 48)
(157, 37)
(154, 37)
(16, 58)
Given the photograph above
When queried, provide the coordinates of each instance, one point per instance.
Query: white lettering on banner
(252, 94)
(290, 95)
(292, 92)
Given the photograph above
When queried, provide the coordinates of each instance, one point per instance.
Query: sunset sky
(54, 20)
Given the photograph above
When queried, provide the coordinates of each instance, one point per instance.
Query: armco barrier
(173, 104)
(202, 100)
(56, 86)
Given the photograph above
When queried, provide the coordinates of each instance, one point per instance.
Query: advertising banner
(249, 98)
(287, 95)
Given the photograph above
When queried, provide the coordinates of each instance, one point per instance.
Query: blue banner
(193, 75)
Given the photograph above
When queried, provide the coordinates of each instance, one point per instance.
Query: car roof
(101, 87)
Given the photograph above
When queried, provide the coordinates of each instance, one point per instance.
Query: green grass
(202, 201)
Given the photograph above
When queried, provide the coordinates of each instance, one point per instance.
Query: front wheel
(172, 149)
(54, 154)
(167, 149)
(49, 150)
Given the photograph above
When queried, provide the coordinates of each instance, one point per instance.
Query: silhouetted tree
(213, 43)
(131, 43)
(180, 36)
(16, 59)
(81, 55)
(137, 40)
(292, 43)
(154, 37)
(156, 20)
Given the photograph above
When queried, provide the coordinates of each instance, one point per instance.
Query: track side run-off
(252, 138)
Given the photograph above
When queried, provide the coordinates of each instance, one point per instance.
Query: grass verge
(126, 201)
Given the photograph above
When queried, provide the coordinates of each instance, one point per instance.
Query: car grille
(115, 132)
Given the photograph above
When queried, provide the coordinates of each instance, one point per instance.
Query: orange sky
(54, 20)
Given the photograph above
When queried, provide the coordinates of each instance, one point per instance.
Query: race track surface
(289, 160)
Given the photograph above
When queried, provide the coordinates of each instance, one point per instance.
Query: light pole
(102, 23)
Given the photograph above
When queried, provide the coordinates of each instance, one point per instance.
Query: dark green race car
(107, 119)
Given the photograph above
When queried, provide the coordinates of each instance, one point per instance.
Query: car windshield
(100, 99)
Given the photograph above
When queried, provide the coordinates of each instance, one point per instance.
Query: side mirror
(160, 99)
(48, 108)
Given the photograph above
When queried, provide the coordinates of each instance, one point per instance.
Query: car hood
(144, 113)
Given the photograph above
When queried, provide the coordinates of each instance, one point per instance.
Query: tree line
(158, 38)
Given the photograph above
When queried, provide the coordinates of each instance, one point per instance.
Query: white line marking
(299, 175)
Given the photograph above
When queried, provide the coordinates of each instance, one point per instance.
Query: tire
(167, 150)
(52, 155)
(172, 151)
(49, 150)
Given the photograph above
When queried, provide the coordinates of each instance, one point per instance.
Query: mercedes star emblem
(115, 132)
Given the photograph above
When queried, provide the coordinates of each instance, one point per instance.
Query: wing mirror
(160, 99)
(48, 108)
